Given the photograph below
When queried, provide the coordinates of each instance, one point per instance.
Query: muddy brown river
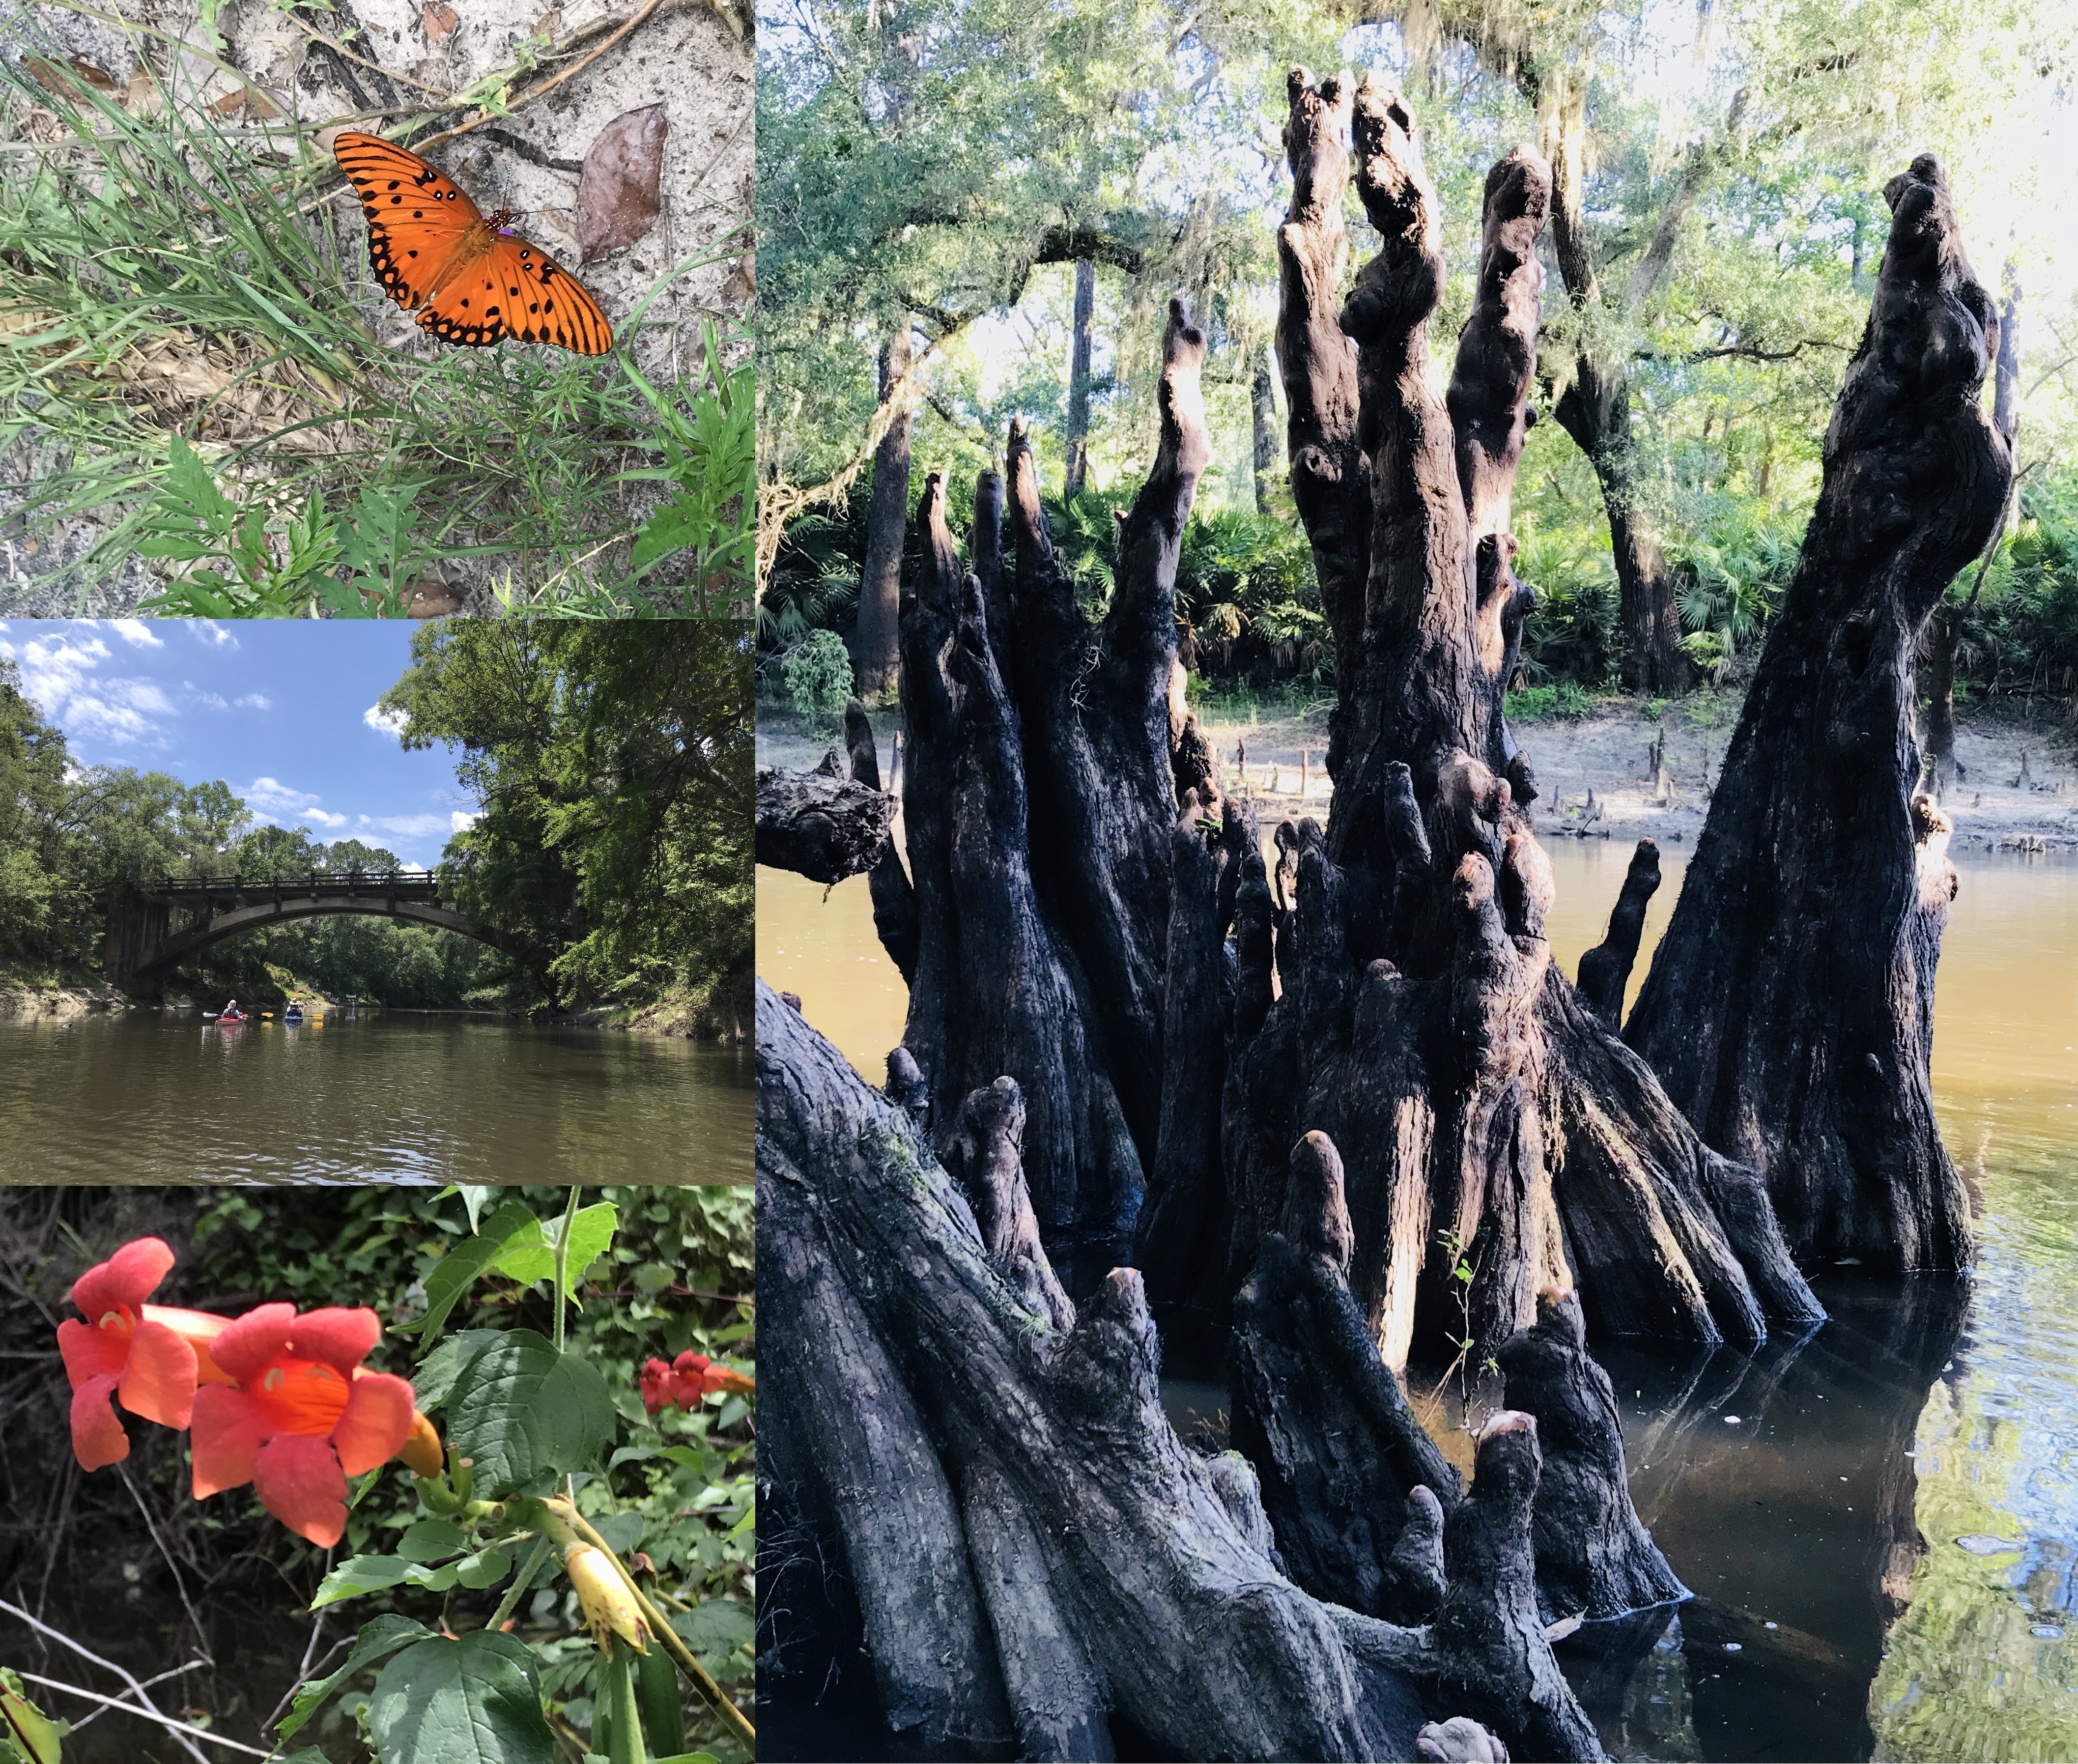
(374, 1096)
(1792, 1490)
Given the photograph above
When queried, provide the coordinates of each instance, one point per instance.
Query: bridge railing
(318, 881)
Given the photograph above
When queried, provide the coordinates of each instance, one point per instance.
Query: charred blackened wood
(997, 990)
(1605, 969)
(1339, 1454)
(1090, 1571)
(1789, 1010)
(823, 827)
(894, 900)
(1594, 1558)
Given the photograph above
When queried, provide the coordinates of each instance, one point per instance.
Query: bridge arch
(142, 944)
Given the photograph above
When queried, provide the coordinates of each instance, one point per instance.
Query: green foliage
(649, 1273)
(817, 677)
(710, 460)
(1573, 632)
(27, 1736)
(473, 1700)
(1729, 577)
(614, 763)
(2018, 633)
(1564, 700)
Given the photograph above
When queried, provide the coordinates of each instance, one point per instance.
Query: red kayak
(232, 1016)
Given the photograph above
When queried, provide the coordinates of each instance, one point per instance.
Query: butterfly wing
(516, 289)
(417, 219)
(432, 249)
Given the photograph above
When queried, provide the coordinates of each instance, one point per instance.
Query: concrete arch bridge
(154, 925)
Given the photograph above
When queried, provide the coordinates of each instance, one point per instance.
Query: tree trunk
(1422, 1025)
(1078, 435)
(876, 655)
(1262, 408)
(1038, 1566)
(1790, 1006)
(1595, 411)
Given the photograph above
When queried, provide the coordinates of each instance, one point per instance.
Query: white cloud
(213, 700)
(207, 631)
(406, 826)
(389, 723)
(321, 818)
(60, 678)
(137, 634)
(270, 797)
(256, 701)
(460, 822)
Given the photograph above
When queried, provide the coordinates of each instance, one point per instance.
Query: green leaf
(484, 1570)
(523, 1411)
(474, 1701)
(530, 1257)
(359, 1575)
(432, 1540)
(28, 1735)
(715, 1630)
(380, 1637)
(436, 1374)
(461, 1267)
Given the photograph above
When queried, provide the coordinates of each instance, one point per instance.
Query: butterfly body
(475, 281)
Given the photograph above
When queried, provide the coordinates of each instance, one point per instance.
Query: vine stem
(563, 1514)
(532, 1566)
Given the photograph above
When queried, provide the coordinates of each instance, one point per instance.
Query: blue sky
(282, 711)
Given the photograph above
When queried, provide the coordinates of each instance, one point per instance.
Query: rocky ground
(2016, 788)
(60, 1003)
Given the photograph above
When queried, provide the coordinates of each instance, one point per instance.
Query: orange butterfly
(477, 282)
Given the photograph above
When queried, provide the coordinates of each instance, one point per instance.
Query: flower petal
(159, 1383)
(98, 1438)
(299, 1481)
(228, 1428)
(341, 1338)
(376, 1422)
(126, 1277)
(89, 1353)
(242, 1347)
(200, 1329)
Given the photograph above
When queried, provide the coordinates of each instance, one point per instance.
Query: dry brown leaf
(549, 24)
(62, 80)
(254, 102)
(439, 21)
(618, 192)
(143, 98)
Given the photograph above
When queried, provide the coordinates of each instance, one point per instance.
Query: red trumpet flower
(148, 1357)
(688, 1378)
(299, 1414)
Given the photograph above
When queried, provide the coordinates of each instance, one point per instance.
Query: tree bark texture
(1789, 1009)
(1041, 1566)
(826, 828)
(1487, 1118)
(1262, 418)
(1078, 435)
(1046, 757)
(875, 647)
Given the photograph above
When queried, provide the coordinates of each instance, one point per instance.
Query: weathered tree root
(1040, 1562)
(1789, 1010)
(1594, 1558)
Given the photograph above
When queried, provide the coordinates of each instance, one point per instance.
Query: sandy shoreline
(1609, 754)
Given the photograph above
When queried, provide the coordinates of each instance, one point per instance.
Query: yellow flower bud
(609, 1606)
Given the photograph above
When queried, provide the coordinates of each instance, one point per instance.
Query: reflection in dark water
(1782, 1489)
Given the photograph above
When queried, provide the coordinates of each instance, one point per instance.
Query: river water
(378, 1095)
(1879, 1522)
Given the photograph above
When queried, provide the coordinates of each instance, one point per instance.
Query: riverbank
(2016, 788)
(58, 1000)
